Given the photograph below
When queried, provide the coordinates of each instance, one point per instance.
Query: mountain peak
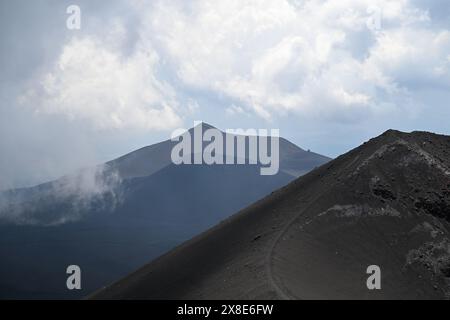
(204, 126)
(392, 132)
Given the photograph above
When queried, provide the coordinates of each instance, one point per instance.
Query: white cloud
(270, 57)
(93, 82)
(80, 193)
(312, 67)
(412, 56)
(234, 110)
(304, 57)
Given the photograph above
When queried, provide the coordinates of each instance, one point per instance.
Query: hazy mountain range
(115, 217)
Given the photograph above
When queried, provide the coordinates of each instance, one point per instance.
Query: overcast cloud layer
(329, 74)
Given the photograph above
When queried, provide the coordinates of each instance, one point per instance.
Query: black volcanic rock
(385, 203)
(122, 221)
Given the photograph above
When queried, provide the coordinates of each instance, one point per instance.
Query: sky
(328, 74)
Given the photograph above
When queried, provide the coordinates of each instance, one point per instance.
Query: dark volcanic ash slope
(385, 203)
(113, 220)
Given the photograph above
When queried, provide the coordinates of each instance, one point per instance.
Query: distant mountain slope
(148, 160)
(385, 203)
(132, 210)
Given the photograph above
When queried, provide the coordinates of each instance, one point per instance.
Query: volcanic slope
(385, 203)
(134, 209)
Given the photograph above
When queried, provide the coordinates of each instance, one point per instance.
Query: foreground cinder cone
(385, 203)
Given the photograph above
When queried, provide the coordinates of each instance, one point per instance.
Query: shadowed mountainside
(113, 220)
(385, 203)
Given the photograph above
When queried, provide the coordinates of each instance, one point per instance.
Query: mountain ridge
(315, 237)
(119, 223)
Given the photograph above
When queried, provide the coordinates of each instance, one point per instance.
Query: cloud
(272, 58)
(64, 200)
(411, 59)
(91, 81)
(329, 73)
(234, 110)
(302, 57)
